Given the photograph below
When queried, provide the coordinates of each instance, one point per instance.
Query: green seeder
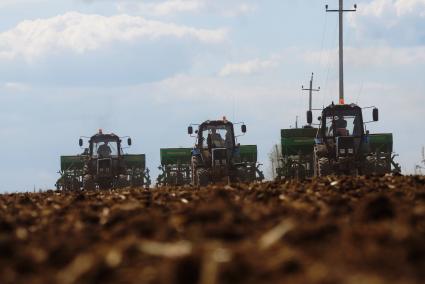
(175, 167)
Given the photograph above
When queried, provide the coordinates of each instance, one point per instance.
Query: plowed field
(363, 230)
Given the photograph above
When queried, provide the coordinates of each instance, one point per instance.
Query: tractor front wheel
(202, 177)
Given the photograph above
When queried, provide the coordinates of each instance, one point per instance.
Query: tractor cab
(105, 146)
(216, 134)
(216, 144)
(341, 129)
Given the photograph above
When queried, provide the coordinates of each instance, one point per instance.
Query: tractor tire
(298, 171)
(369, 168)
(122, 181)
(104, 185)
(202, 177)
(242, 176)
(75, 186)
(323, 167)
(88, 183)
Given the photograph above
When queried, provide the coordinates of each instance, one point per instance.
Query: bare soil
(333, 230)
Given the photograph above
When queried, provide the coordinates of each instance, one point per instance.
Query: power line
(328, 69)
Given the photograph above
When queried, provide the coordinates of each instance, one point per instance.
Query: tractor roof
(342, 107)
(100, 137)
(216, 123)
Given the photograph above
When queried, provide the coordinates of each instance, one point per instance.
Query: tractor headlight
(342, 151)
(351, 151)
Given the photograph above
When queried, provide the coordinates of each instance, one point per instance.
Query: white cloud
(163, 8)
(409, 6)
(398, 21)
(15, 86)
(240, 9)
(171, 7)
(249, 67)
(80, 33)
(383, 8)
(6, 3)
(372, 56)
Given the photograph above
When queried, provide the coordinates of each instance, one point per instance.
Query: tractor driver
(104, 150)
(216, 139)
(340, 126)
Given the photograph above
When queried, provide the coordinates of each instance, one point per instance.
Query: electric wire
(323, 39)
(348, 39)
(322, 47)
(327, 91)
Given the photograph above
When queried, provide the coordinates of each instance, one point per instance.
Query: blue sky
(149, 68)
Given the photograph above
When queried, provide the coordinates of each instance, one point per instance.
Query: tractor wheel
(105, 184)
(88, 183)
(242, 175)
(202, 177)
(75, 185)
(122, 181)
(299, 171)
(369, 167)
(323, 167)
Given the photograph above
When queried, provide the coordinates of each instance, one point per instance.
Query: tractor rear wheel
(202, 177)
(88, 183)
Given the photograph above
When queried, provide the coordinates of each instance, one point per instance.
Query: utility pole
(311, 90)
(341, 46)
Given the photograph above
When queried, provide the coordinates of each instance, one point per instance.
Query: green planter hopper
(72, 163)
(176, 156)
(135, 161)
(381, 143)
(248, 153)
(298, 141)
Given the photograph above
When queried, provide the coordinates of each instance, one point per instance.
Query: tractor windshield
(343, 123)
(217, 136)
(105, 148)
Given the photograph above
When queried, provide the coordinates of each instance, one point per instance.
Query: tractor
(103, 165)
(217, 158)
(343, 147)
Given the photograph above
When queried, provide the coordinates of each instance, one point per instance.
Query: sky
(147, 69)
